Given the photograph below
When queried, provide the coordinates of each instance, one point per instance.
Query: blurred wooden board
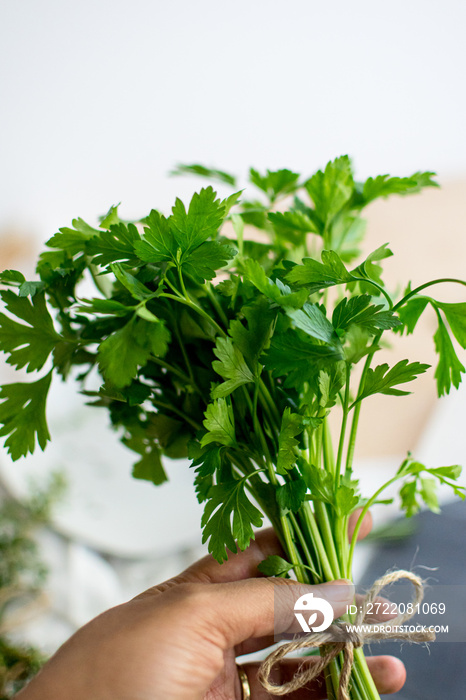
(427, 234)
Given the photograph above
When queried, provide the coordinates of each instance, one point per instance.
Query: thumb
(260, 607)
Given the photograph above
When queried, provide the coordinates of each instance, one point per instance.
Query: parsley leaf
(12, 277)
(369, 268)
(202, 263)
(409, 502)
(320, 484)
(256, 337)
(356, 344)
(314, 323)
(111, 217)
(136, 288)
(73, 240)
(331, 189)
(292, 425)
(384, 185)
(274, 182)
(292, 225)
(298, 357)
(451, 472)
(130, 347)
(182, 238)
(330, 383)
(358, 310)
(229, 515)
(276, 291)
(150, 467)
(449, 368)
(425, 487)
(274, 566)
(219, 423)
(22, 415)
(411, 312)
(114, 244)
(320, 275)
(203, 171)
(105, 306)
(200, 222)
(290, 496)
(382, 380)
(346, 500)
(456, 317)
(28, 345)
(158, 243)
(428, 492)
(231, 366)
(30, 288)
(207, 461)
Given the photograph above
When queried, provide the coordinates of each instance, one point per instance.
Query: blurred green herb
(22, 576)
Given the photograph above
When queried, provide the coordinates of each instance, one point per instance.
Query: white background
(101, 98)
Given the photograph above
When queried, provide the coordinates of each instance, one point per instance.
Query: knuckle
(188, 594)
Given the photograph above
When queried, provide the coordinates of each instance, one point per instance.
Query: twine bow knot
(345, 637)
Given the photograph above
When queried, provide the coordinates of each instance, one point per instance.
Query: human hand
(179, 640)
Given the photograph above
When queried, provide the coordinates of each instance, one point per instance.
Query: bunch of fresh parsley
(233, 351)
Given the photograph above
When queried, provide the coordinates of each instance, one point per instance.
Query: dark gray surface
(439, 541)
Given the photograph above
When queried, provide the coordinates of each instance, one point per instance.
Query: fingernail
(339, 591)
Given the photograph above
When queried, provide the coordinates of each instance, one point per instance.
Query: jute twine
(344, 637)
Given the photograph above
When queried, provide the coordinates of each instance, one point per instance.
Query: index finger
(244, 564)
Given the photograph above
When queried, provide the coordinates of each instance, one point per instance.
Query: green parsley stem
(215, 304)
(253, 410)
(291, 549)
(341, 536)
(424, 286)
(352, 438)
(170, 368)
(343, 426)
(357, 408)
(322, 516)
(183, 415)
(313, 538)
(329, 456)
(198, 309)
(307, 554)
(364, 678)
(316, 539)
(185, 298)
(186, 358)
(251, 406)
(369, 503)
(183, 288)
(269, 402)
(323, 521)
(366, 280)
(332, 678)
(172, 286)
